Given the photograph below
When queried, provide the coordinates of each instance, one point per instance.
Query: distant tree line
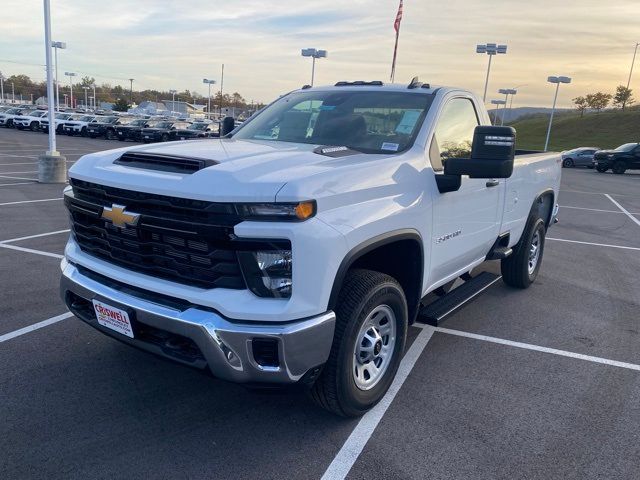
(119, 95)
(599, 100)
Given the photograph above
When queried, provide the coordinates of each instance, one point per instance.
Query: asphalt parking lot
(542, 383)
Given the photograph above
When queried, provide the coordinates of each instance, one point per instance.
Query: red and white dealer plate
(113, 318)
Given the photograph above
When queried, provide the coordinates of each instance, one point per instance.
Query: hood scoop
(163, 162)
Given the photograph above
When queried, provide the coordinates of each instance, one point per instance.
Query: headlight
(268, 273)
(278, 211)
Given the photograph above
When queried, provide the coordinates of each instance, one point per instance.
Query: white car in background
(30, 120)
(79, 126)
(59, 121)
(7, 117)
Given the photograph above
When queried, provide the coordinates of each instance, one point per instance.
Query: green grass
(604, 130)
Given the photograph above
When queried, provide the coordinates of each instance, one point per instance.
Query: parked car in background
(7, 117)
(163, 131)
(133, 129)
(59, 120)
(198, 130)
(30, 120)
(625, 157)
(105, 127)
(79, 126)
(579, 157)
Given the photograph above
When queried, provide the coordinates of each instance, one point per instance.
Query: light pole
(1, 88)
(86, 89)
(506, 92)
(635, 50)
(13, 93)
(490, 49)
(131, 91)
(56, 46)
(313, 53)
(65, 99)
(497, 103)
(173, 100)
(94, 96)
(70, 75)
(209, 82)
(557, 80)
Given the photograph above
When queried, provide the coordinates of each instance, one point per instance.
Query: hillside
(604, 130)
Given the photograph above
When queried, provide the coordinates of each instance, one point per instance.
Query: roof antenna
(415, 83)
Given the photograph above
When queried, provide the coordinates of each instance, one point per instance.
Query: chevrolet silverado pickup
(298, 248)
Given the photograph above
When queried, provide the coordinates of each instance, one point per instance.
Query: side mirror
(228, 124)
(492, 154)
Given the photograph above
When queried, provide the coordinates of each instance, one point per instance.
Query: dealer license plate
(113, 318)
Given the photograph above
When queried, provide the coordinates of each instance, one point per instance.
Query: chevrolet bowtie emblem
(119, 217)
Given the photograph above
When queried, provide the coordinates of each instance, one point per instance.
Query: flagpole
(395, 54)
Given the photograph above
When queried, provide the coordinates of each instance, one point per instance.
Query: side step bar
(436, 312)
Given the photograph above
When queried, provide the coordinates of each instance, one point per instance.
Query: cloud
(168, 44)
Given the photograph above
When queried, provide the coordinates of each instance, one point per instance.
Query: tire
(619, 167)
(517, 269)
(601, 169)
(164, 138)
(110, 134)
(590, 167)
(343, 388)
(34, 126)
(120, 139)
(567, 163)
(83, 132)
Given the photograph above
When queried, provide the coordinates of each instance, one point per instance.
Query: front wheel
(601, 169)
(110, 135)
(164, 138)
(34, 126)
(521, 268)
(567, 163)
(369, 338)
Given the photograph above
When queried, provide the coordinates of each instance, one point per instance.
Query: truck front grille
(182, 240)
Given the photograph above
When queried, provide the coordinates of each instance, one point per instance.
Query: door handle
(492, 183)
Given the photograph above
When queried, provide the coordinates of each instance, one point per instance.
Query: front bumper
(202, 338)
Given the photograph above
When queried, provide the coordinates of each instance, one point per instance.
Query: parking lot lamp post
(52, 167)
(490, 49)
(209, 83)
(313, 53)
(1, 88)
(13, 93)
(635, 50)
(56, 46)
(70, 75)
(557, 80)
(506, 92)
(94, 96)
(65, 99)
(497, 103)
(173, 100)
(131, 91)
(86, 90)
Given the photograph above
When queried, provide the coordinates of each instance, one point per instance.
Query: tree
(581, 104)
(598, 100)
(623, 97)
(121, 105)
(87, 81)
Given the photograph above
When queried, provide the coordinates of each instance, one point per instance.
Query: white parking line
(17, 173)
(624, 210)
(11, 240)
(17, 156)
(591, 243)
(348, 454)
(590, 209)
(538, 348)
(18, 178)
(30, 201)
(31, 250)
(33, 163)
(17, 183)
(35, 326)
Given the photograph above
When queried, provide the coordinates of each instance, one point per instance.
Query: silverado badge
(119, 217)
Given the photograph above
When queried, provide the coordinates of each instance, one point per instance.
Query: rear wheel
(33, 126)
(619, 167)
(369, 338)
(83, 132)
(164, 138)
(521, 268)
(110, 135)
(567, 163)
(601, 169)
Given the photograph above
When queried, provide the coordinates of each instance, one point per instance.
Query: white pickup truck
(299, 247)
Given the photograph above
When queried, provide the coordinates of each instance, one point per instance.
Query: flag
(396, 24)
(396, 27)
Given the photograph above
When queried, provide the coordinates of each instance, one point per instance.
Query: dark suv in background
(133, 129)
(625, 157)
(163, 131)
(105, 127)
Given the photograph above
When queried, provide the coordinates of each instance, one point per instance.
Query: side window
(454, 132)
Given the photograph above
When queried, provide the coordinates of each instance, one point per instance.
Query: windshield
(163, 125)
(197, 126)
(106, 119)
(367, 121)
(62, 116)
(138, 123)
(627, 147)
(86, 118)
(13, 110)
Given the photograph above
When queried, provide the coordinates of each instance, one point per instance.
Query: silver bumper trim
(225, 345)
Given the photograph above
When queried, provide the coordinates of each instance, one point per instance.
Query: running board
(436, 312)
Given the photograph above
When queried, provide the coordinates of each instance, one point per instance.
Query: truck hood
(245, 170)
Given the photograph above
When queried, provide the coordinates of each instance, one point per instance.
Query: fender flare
(539, 200)
(369, 245)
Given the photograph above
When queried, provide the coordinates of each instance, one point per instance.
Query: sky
(169, 44)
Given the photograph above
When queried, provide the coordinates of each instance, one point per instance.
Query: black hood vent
(164, 162)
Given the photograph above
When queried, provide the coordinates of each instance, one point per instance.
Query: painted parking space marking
(30, 201)
(17, 183)
(35, 326)
(17, 178)
(31, 250)
(18, 239)
(593, 244)
(624, 210)
(594, 209)
(351, 449)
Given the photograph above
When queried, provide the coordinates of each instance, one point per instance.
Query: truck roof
(376, 85)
